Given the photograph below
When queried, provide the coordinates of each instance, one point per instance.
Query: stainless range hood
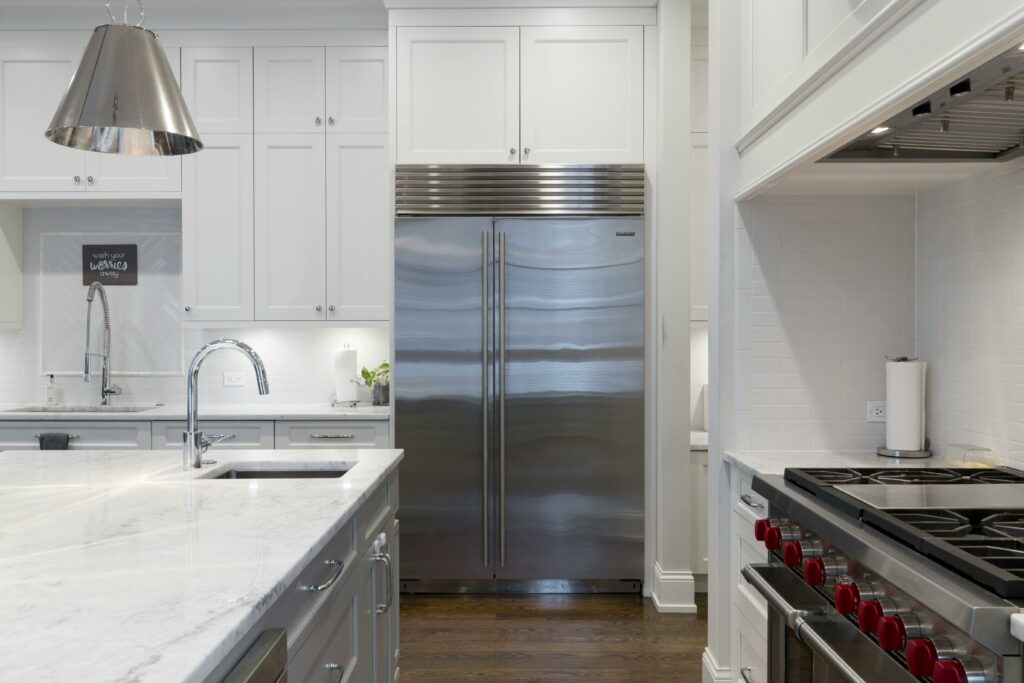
(979, 117)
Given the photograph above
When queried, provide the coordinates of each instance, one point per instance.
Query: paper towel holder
(905, 455)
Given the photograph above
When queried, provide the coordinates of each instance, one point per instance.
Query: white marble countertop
(775, 462)
(119, 566)
(241, 411)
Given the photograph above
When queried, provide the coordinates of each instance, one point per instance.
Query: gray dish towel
(54, 441)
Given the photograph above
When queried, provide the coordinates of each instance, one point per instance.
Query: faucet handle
(112, 390)
(213, 439)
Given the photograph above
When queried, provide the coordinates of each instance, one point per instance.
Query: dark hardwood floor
(515, 639)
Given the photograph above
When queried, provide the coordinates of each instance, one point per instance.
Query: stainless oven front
(809, 641)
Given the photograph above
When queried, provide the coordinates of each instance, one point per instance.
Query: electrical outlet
(877, 411)
(234, 379)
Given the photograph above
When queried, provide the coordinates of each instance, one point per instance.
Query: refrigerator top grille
(520, 190)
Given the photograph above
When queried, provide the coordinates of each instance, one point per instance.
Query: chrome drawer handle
(750, 502)
(70, 436)
(386, 605)
(336, 668)
(331, 581)
(745, 673)
(332, 436)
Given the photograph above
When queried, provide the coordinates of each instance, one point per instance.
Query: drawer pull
(332, 436)
(338, 669)
(751, 502)
(339, 566)
(745, 673)
(386, 605)
(70, 436)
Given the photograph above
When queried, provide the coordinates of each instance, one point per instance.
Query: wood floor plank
(546, 638)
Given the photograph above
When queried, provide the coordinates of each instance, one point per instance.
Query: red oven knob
(761, 527)
(773, 538)
(949, 671)
(868, 614)
(847, 595)
(921, 657)
(814, 571)
(792, 553)
(892, 634)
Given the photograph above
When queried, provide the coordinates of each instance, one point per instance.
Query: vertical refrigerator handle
(485, 371)
(501, 398)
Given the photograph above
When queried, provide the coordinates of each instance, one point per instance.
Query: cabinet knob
(331, 308)
(317, 120)
(512, 151)
(330, 120)
(319, 308)
(89, 179)
(78, 179)
(188, 308)
(526, 151)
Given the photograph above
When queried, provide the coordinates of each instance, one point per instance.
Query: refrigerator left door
(443, 396)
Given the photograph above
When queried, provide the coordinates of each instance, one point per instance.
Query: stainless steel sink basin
(79, 409)
(238, 473)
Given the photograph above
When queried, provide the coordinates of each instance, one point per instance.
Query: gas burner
(914, 476)
(1009, 524)
(996, 477)
(940, 523)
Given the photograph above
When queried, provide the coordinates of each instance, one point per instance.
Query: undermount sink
(79, 409)
(238, 473)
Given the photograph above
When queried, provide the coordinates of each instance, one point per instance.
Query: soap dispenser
(51, 392)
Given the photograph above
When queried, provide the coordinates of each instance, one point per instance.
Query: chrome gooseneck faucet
(106, 388)
(195, 444)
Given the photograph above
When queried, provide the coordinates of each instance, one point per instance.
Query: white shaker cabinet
(217, 230)
(290, 226)
(288, 93)
(32, 83)
(358, 227)
(217, 85)
(458, 95)
(582, 94)
(357, 82)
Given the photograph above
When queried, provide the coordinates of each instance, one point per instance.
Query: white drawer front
(84, 435)
(246, 434)
(752, 652)
(333, 434)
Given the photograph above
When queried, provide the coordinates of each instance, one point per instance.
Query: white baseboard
(711, 672)
(673, 591)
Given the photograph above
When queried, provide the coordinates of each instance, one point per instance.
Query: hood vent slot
(976, 118)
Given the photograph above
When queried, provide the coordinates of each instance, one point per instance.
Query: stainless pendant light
(123, 98)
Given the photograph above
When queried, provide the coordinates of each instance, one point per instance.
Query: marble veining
(119, 566)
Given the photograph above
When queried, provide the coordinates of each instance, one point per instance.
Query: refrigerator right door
(570, 415)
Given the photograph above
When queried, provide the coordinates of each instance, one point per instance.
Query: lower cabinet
(341, 615)
(240, 434)
(748, 611)
(96, 434)
(337, 434)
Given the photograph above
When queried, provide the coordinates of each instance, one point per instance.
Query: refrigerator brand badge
(625, 233)
(110, 264)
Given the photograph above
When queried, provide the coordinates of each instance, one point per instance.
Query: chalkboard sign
(110, 264)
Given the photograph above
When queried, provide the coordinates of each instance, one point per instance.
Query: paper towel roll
(904, 398)
(344, 373)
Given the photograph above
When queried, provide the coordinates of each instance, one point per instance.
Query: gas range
(912, 573)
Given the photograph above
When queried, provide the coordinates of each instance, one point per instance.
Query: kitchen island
(120, 566)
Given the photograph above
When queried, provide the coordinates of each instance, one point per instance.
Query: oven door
(809, 642)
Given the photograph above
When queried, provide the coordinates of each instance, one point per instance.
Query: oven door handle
(793, 616)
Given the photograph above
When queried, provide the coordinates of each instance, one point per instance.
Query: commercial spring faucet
(106, 388)
(195, 444)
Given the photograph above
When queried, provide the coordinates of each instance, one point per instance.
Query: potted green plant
(379, 382)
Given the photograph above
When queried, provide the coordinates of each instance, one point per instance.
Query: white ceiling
(185, 14)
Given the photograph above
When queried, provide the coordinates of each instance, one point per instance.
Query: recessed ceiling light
(880, 130)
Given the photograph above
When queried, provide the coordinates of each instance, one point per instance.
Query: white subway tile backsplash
(831, 292)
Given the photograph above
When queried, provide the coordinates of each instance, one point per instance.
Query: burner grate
(1005, 553)
(1008, 524)
(940, 523)
(833, 476)
(996, 477)
(915, 476)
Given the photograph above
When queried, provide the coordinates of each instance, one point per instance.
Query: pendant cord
(124, 21)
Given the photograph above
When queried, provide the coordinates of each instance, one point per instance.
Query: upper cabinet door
(458, 95)
(288, 90)
(357, 85)
(582, 95)
(290, 230)
(124, 173)
(32, 83)
(217, 230)
(359, 248)
(217, 84)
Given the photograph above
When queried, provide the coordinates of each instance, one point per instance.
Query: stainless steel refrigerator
(518, 383)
